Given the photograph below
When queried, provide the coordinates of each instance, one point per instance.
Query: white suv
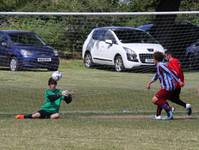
(121, 47)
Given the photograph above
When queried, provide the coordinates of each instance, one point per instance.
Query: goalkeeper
(52, 101)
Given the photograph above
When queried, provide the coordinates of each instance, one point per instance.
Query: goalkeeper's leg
(28, 116)
(55, 116)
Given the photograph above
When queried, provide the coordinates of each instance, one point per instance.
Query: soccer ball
(57, 75)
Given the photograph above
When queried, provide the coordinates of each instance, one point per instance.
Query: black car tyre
(119, 66)
(14, 65)
(88, 62)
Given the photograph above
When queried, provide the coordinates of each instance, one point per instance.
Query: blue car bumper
(49, 63)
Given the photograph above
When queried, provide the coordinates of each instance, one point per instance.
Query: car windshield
(26, 39)
(134, 36)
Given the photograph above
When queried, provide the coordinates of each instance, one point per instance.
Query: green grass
(98, 92)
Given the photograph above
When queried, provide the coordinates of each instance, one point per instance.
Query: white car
(121, 47)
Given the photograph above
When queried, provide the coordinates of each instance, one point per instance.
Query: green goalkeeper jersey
(49, 105)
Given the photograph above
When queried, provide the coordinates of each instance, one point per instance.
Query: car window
(99, 35)
(109, 36)
(2, 37)
(134, 36)
(26, 39)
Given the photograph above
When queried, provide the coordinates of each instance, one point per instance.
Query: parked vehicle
(24, 49)
(177, 37)
(192, 52)
(121, 47)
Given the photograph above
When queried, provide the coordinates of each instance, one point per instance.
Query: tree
(166, 5)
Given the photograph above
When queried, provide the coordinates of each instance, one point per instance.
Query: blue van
(24, 49)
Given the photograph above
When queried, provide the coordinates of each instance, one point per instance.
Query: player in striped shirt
(168, 83)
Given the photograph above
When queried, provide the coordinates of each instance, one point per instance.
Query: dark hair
(52, 81)
(168, 52)
(159, 56)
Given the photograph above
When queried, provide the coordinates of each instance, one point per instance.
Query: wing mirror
(109, 42)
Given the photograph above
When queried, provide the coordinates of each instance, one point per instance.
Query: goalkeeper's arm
(53, 98)
(67, 97)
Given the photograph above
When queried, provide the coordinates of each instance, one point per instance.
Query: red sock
(159, 111)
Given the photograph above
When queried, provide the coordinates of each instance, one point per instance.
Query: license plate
(149, 60)
(44, 59)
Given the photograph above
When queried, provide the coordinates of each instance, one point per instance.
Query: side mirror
(109, 42)
(4, 44)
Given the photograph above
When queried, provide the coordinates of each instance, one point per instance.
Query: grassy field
(110, 111)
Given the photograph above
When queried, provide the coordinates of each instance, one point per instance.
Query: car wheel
(88, 62)
(119, 66)
(14, 65)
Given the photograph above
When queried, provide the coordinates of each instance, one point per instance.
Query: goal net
(100, 90)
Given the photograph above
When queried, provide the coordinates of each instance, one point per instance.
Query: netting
(101, 89)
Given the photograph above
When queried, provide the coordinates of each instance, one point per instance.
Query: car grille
(143, 58)
(44, 54)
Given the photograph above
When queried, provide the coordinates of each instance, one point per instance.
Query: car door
(109, 48)
(98, 46)
(3, 49)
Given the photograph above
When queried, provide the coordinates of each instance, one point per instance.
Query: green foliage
(136, 21)
(7, 5)
(52, 5)
(48, 28)
(68, 33)
(189, 5)
(142, 5)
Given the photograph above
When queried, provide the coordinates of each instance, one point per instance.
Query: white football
(57, 75)
(65, 92)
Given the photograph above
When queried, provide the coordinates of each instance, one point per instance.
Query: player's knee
(55, 116)
(154, 100)
(36, 115)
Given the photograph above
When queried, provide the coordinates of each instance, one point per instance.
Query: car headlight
(55, 52)
(25, 53)
(129, 51)
(131, 55)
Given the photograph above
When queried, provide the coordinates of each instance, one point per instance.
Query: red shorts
(163, 94)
